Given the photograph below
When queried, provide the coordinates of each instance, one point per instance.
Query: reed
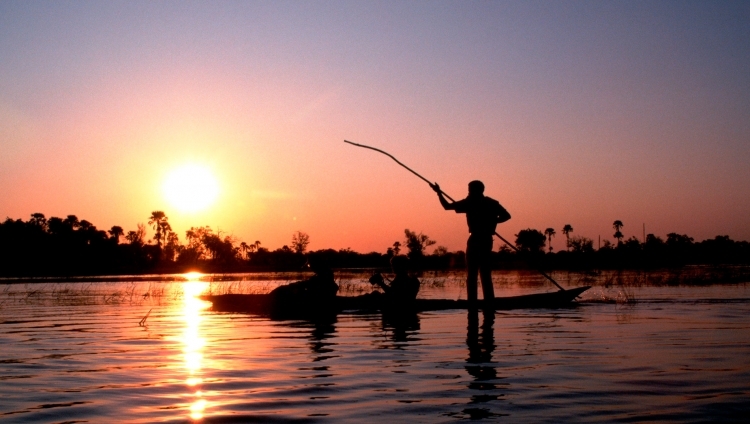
(142, 322)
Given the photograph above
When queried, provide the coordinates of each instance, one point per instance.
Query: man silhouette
(482, 214)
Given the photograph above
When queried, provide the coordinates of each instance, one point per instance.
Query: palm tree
(617, 225)
(549, 232)
(244, 247)
(567, 229)
(156, 219)
(116, 232)
(165, 228)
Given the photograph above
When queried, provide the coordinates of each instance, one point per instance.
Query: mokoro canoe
(264, 304)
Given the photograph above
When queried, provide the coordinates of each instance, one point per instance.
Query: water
(75, 352)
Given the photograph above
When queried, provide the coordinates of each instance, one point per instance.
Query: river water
(150, 351)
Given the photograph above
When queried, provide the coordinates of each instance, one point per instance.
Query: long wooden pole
(451, 199)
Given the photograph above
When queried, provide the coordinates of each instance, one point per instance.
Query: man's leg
(483, 250)
(488, 291)
(485, 269)
(472, 269)
(471, 279)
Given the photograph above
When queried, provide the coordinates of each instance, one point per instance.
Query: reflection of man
(482, 214)
(479, 364)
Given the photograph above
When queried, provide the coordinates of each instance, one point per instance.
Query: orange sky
(571, 113)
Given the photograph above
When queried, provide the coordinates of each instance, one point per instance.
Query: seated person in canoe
(318, 290)
(403, 289)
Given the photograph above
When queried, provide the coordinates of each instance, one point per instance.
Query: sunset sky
(576, 113)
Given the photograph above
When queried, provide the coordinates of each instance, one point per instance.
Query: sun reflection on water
(192, 341)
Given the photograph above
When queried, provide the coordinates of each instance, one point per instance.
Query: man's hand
(444, 203)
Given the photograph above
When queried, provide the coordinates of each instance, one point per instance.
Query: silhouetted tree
(221, 251)
(158, 220)
(617, 225)
(195, 249)
(38, 220)
(723, 250)
(203, 246)
(654, 250)
(172, 246)
(166, 228)
(244, 248)
(417, 243)
(679, 248)
(55, 226)
(530, 240)
(581, 245)
(679, 240)
(131, 237)
(440, 251)
(138, 236)
(116, 232)
(300, 241)
(72, 222)
(549, 232)
(630, 253)
(567, 229)
(396, 247)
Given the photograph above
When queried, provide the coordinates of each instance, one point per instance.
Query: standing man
(482, 214)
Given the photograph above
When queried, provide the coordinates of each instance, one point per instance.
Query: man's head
(476, 188)
(318, 266)
(400, 264)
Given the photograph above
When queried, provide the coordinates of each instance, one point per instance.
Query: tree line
(653, 252)
(74, 247)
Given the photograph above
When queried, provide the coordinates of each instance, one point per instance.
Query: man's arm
(502, 214)
(446, 205)
(377, 279)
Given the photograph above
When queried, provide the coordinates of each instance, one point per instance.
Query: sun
(191, 188)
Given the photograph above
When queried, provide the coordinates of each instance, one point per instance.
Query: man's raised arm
(443, 201)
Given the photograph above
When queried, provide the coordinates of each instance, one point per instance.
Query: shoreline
(686, 275)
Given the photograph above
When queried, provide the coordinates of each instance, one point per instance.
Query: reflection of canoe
(264, 304)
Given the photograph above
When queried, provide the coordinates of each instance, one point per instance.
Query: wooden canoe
(264, 304)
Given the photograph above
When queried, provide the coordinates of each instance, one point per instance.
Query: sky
(576, 113)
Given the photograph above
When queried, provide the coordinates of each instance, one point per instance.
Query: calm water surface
(82, 352)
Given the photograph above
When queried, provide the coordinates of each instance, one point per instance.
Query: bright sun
(191, 188)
